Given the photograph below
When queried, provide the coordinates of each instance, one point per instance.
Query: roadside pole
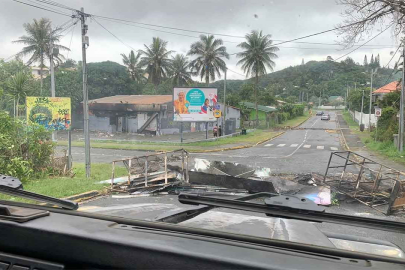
(371, 99)
(362, 103)
(69, 167)
(85, 94)
(225, 100)
(401, 107)
(181, 132)
(206, 130)
(52, 81)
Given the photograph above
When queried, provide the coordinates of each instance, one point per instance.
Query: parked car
(319, 113)
(325, 117)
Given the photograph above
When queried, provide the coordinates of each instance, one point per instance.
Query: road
(296, 151)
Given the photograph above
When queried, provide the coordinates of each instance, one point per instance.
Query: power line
(114, 35)
(70, 43)
(55, 4)
(236, 72)
(393, 56)
(365, 42)
(64, 14)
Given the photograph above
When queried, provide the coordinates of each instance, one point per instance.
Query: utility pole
(371, 99)
(52, 80)
(85, 41)
(401, 107)
(224, 124)
(362, 103)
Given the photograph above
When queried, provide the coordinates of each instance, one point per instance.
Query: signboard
(378, 112)
(54, 113)
(194, 104)
(217, 113)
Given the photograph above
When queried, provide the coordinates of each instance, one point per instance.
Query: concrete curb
(239, 147)
(84, 196)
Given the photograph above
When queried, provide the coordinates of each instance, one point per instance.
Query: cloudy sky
(283, 19)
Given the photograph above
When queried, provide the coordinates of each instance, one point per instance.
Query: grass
(61, 187)
(386, 149)
(295, 121)
(248, 139)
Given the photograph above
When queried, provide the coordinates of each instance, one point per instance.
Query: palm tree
(132, 62)
(38, 41)
(180, 70)
(156, 60)
(209, 62)
(256, 57)
(17, 86)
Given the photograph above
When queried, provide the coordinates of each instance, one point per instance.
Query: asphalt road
(296, 151)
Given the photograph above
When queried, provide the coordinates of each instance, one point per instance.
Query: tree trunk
(257, 114)
(42, 77)
(16, 107)
(207, 77)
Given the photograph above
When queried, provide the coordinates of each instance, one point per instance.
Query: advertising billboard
(194, 104)
(54, 113)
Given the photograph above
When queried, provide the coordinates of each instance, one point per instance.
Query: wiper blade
(10, 185)
(275, 207)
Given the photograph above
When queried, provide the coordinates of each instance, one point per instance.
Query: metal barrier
(366, 181)
(145, 166)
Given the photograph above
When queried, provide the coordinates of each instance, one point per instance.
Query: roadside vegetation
(65, 186)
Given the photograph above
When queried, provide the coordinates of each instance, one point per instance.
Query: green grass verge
(61, 187)
(295, 121)
(249, 139)
(386, 149)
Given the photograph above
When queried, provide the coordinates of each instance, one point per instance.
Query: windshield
(123, 106)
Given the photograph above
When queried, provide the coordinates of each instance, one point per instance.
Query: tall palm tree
(132, 62)
(156, 60)
(17, 86)
(209, 62)
(258, 55)
(38, 41)
(180, 70)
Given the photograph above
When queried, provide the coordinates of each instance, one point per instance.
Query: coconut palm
(132, 62)
(156, 60)
(18, 86)
(180, 70)
(257, 57)
(209, 62)
(38, 41)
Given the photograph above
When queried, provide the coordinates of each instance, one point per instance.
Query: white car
(325, 117)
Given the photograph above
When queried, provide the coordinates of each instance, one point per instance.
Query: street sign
(378, 112)
(217, 113)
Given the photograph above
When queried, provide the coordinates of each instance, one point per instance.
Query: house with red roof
(382, 91)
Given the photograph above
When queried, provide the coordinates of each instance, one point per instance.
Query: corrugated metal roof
(262, 108)
(391, 87)
(134, 99)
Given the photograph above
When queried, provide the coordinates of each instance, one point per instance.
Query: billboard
(54, 113)
(194, 104)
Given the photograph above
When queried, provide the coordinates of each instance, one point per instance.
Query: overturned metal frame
(129, 163)
(385, 188)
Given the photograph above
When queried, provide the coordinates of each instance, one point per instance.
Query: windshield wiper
(292, 207)
(12, 186)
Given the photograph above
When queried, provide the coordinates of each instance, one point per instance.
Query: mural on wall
(54, 113)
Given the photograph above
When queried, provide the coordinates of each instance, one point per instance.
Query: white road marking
(334, 148)
(294, 145)
(270, 144)
(281, 145)
(320, 147)
(307, 146)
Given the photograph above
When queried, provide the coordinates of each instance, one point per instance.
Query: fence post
(129, 171)
(166, 168)
(112, 174)
(146, 171)
(187, 176)
(182, 163)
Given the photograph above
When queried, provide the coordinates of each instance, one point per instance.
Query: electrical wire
(55, 4)
(364, 43)
(399, 46)
(64, 14)
(71, 38)
(114, 35)
(236, 72)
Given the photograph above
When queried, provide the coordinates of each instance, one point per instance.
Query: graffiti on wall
(54, 113)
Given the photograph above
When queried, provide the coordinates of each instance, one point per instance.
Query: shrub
(387, 125)
(25, 151)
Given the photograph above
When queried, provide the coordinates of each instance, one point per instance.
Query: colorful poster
(194, 104)
(52, 113)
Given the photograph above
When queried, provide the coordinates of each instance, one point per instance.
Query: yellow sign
(52, 113)
(217, 113)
